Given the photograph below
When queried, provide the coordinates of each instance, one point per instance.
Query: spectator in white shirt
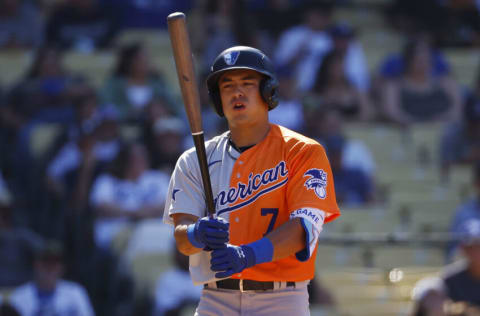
(304, 46)
(48, 294)
(130, 192)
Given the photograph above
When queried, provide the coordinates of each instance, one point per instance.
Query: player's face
(240, 95)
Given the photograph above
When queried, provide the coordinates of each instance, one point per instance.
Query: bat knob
(175, 16)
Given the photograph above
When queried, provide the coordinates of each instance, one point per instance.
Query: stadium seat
(42, 137)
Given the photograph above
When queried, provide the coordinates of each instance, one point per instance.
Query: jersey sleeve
(185, 191)
(310, 183)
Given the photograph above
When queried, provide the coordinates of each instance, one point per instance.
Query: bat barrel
(188, 84)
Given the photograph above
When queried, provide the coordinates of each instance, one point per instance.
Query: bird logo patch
(231, 58)
(317, 182)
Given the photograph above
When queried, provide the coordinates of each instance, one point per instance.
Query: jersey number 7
(274, 212)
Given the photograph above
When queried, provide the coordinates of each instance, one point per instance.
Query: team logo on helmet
(317, 182)
(231, 58)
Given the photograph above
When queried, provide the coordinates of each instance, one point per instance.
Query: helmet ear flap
(217, 101)
(269, 91)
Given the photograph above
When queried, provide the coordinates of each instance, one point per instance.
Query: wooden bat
(182, 53)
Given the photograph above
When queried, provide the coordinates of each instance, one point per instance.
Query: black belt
(247, 285)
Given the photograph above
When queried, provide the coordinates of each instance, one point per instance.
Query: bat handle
(199, 142)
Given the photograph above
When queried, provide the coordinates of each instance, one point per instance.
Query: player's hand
(213, 233)
(231, 259)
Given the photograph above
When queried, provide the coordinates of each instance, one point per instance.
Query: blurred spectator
(131, 191)
(333, 90)
(17, 249)
(289, 112)
(464, 26)
(166, 143)
(87, 115)
(21, 25)
(227, 23)
(146, 14)
(411, 16)
(355, 64)
(275, 17)
(174, 290)
(303, 46)
(43, 96)
(457, 290)
(84, 157)
(48, 294)
(353, 187)
(393, 65)
(134, 83)
(44, 93)
(418, 96)
(322, 125)
(460, 142)
(82, 25)
(469, 210)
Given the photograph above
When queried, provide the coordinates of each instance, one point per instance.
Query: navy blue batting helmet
(243, 57)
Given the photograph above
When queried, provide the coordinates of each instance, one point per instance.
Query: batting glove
(208, 233)
(234, 259)
(231, 259)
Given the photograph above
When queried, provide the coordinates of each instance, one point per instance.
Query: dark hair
(410, 50)
(126, 58)
(7, 309)
(120, 163)
(323, 74)
(87, 95)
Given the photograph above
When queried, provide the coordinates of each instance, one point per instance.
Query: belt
(248, 285)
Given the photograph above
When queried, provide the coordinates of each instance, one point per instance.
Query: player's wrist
(260, 251)
(191, 237)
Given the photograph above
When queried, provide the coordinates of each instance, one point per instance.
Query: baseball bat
(182, 53)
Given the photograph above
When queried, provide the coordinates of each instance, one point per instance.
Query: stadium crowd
(73, 217)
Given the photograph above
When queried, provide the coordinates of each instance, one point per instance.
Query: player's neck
(247, 136)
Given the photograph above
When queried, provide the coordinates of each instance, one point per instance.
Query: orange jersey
(268, 182)
(257, 191)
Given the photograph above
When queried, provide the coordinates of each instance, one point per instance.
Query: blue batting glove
(231, 259)
(234, 259)
(208, 233)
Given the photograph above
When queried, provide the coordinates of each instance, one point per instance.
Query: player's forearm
(181, 238)
(287, 239)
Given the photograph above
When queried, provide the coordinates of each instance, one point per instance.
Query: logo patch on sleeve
(317, 182)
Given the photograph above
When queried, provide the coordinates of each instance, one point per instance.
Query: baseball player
(273, 191)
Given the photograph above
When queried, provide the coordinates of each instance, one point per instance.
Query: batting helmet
(243, 57)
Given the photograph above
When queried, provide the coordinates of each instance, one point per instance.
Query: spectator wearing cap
(48, 293)
(460, 142)
(457, 289)
(469, 210)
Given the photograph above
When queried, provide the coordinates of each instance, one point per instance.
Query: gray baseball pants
(284, 301)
